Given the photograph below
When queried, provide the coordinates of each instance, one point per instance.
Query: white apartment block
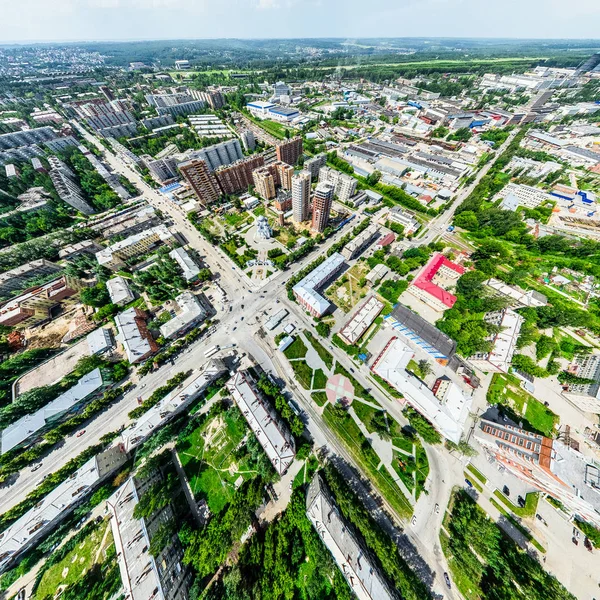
(301, 196)
(345, 185)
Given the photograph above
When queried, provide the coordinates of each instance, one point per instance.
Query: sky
(77, 20)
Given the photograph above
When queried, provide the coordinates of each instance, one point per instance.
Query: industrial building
(306, 290)
(515, 195)
(264, 422)
(404, 218)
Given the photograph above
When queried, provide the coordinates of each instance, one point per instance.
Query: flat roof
(172, 403)
(361, 320)
(190, 311)
(352, 558)
(424, 280)
(30, 424)
(272, 435)
(306, 288)
(448, 419)
(262, 104)
(135, 342)
(186, 263)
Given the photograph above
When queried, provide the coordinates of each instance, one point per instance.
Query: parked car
(574, 540)
(447, 580)
(588, 544)
(80, 433)
(506, 491)
(468, 483)
(437, 509)
(36, 467)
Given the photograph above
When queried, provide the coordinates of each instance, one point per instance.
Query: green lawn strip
(359, 390)
(403, 442)
(526, 533)
(405, 467)
(392, 391)
(593, 533)
(476, 473)
(320, 398)
(350, 435)
(469, 589)
(365, 413)
(475, 484)
(296, 349)
(531, 502)
(320, 380)
(303, 373)
(324, 355)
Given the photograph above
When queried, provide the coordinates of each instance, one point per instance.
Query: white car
(414, 520)
(437, 509)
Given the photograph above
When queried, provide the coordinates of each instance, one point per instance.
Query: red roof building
(431, 284)
(385, 240)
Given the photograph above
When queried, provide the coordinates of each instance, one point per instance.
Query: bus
(212, 350)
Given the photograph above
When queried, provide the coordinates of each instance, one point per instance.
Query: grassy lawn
(531, 502)
(505, 390)
(347, 292)
(72, 567)
(320, 398)
(349, 433)
(208, 460)
(467, 588)
(392, 391)
(235, 219)
(476, 473)
(526, 533)
(275, 129)
(303, 373)
(324, 355)
(365, 413)
(296, 349)
(320, 380)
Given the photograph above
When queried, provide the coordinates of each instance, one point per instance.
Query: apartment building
(301, 196)
(67, 186)
(504, 343)
(108, 119)
(314, 164)
(348, 550)
(188, 313)
(404, 218)
(321, 206)
(211, 96)
(113, 257)
(344, 185)
(248, 140)
(359, 244)
(19, 277)
(289, 151)
(237, 177)
(119, 291)
(134, 336)
(585, 396)
(201, 180)
(306, 291)
(264, 183)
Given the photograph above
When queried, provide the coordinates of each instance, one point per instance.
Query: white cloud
(267, 4)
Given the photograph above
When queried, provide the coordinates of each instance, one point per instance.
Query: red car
(80, 433)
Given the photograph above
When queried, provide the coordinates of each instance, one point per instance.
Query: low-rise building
(504, 343)
(359, 244)
(404, 218)
(30, 427)
(113, 257)
(79, 248)
(273, 321)
(449, 415)
(518, 296)
(515, 195)
(100, 340)
(186, 263)
(348, 550)
(376, 274)
(361, 320)
(119, 291)
(264, 422)
(432, 283)
(19, 277)
(189, 313)
(134, 336)
(306, 290)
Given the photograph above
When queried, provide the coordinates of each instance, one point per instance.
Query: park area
(517, 404)
(76, 559)
(213, 460)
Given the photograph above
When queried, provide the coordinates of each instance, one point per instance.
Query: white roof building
(521, 297)
(522, 195)
(271, 434)
(186, 263)
(190, 314)
(57, 504)
(119, 291)
(449, 416)
(361, 320)
(173, 403)
(134, 336)
(27, 426)
(99, 340)
(377, 273)
(306, 290)
(362, 576)
(504, 344)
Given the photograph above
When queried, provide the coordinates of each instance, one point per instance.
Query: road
(239, 324)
